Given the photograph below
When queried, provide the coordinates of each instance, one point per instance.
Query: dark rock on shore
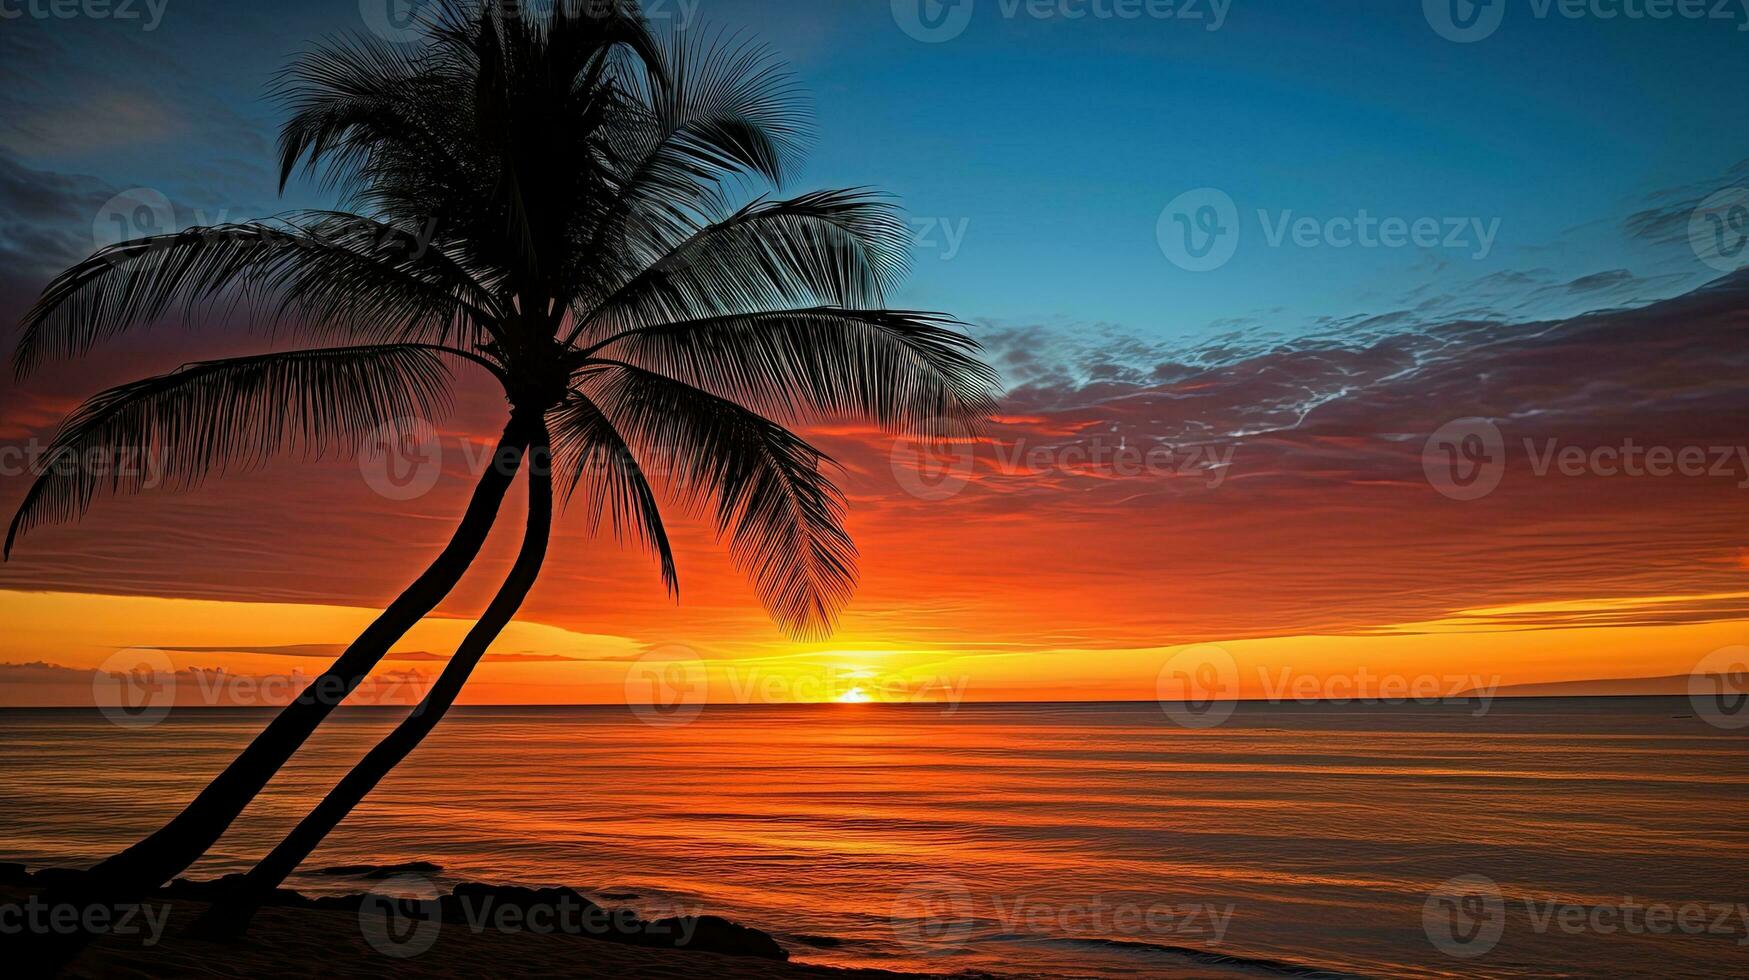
(819, 942)
(219, 889)
(484, 908)
(58, 877)
(376, 872)
(567, 910)
(718, 935)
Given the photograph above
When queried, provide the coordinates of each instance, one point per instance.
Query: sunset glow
(1257, 481)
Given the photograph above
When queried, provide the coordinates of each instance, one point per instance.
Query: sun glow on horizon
(58, 639)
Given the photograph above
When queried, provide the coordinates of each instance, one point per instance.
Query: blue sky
(1036, 153)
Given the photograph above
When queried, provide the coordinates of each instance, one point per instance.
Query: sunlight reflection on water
(1000, 838)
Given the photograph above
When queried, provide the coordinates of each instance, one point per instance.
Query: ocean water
(1536, 839)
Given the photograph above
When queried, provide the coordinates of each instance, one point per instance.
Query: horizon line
(1373, 702)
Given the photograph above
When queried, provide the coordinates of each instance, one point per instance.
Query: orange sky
(1303, 535)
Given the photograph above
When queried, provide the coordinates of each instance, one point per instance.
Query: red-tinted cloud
(1293, 500)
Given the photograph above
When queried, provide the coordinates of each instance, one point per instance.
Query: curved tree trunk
(232, 916)
(131, 874)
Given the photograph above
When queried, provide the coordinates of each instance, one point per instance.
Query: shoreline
(477, 930)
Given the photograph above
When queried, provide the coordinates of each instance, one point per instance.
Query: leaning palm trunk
(131, 874)
(169, 851)
(232, 916)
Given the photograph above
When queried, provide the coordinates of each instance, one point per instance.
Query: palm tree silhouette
(579, 177)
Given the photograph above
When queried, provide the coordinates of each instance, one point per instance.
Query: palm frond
(586, 445)
(720, 109)
(730, 105)
(908, 371)
(175, 429)
(352, 96)
(762, 484)
(833, 248)
(492, 128)
(342, 274)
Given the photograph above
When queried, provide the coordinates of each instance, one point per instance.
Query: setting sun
(855, 695)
